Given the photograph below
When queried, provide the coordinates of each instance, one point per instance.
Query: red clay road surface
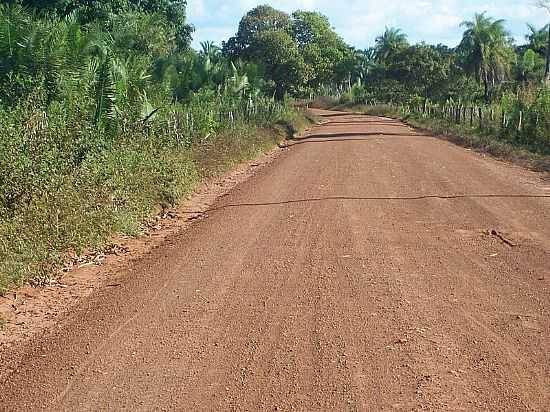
(368, 268)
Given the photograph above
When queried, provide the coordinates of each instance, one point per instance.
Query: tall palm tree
(545, 4)
(486, 50)
(388, 43)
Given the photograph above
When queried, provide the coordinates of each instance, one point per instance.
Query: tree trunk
(547, 70)
(486, 87)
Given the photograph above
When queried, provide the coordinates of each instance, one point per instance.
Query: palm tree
(388, 43)
(537, 39)
(545, 4)
(211, 50)
(486, 50)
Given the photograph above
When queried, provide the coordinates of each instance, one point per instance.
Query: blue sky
(360, 21)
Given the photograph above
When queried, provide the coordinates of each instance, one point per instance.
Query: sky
(360, 21)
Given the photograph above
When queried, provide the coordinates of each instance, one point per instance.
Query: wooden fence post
(480, 111)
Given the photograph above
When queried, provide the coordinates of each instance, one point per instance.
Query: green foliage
(324, 52)
(390, 42)
(481, 69)
(87, 11)
(282, 62)
(424, 69)
(537, 39)
(486, 51)
(105, 93)
(247, 44)
(296, 54)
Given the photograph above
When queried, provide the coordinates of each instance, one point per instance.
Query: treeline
(483, 68)
(486, 74)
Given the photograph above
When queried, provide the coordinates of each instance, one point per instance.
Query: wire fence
(524, 124)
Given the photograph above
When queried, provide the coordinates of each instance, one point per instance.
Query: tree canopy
(390, 42)
(88, 11)
(302, 45)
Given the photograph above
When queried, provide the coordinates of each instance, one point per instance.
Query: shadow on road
(340, 114)
(365, 123)
(296, 142)
(337, 135)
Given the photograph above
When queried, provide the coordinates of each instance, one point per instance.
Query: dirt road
(367, 268)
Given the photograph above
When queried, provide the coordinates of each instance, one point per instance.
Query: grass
(115, 191)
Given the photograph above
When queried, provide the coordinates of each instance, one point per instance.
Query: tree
(545, 4)
(486, 51)
(537, 39)
(391, 41)
(423, 70)
(356, 64)
(323, 49)
(527, 64)
(211, 50)
(265, 37)
(246, 43)
(283, 63)
(297, 53)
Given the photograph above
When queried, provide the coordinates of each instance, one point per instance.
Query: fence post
(480, 111)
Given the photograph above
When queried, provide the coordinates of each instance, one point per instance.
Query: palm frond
(105, 94)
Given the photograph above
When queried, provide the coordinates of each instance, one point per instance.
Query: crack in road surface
(382, 198)
(322, 284)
